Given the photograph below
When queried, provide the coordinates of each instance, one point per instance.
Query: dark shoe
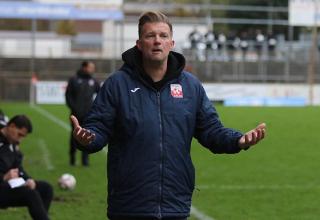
(72, 161)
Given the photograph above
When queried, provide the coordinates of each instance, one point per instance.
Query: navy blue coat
(149, 134)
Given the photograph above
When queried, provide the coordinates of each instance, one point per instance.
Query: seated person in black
(35, 195)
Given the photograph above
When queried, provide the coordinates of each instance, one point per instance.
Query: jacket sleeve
(97, 85)
(2, 173)
(19, 162)
(3, 168)
(210, 132)
(101, 117)
(70, 95)
(23, 173)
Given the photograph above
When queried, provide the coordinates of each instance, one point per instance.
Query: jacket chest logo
(176, 91)
(91, 82)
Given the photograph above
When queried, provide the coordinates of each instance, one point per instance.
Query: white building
(46, 44)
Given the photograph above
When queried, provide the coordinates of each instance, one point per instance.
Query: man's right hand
(82, 135)
(11, 174)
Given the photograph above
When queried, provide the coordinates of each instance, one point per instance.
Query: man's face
(15, 134)
(90, 68)
(155, 41)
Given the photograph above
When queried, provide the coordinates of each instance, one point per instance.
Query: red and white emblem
(176, 91)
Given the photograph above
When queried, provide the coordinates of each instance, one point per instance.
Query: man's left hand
(31, 183)
(253, 137)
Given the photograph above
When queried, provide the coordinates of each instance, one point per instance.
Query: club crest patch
(176, 91)
(91, 82)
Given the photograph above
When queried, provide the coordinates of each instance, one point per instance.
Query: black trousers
(73, 151)
(38, 200)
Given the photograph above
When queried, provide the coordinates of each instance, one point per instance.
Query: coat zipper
(161, 138)
(161, 152)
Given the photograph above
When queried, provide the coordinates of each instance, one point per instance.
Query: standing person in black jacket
(36, 195)
(81, 91)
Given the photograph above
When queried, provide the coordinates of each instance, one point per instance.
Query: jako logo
(134, 90)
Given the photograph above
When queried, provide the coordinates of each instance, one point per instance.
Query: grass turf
(274, 180)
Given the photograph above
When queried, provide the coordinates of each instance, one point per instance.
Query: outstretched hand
(253, 137)
(82, 135)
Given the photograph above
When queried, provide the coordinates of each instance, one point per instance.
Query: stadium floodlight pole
(114, 46)
(270, 17)
(313, 54)
(32, 60)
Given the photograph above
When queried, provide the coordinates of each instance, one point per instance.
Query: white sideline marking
(194, 211)
(105, 149)
(56, 120)
(258, 187)
(199, 215)
(46, 154)
(51, 117)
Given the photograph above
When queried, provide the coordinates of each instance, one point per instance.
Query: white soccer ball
(67, 182)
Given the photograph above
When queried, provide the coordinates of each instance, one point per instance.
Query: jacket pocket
(191, 173)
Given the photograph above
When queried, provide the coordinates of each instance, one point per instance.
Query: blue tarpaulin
(265, 101)
(33, 10)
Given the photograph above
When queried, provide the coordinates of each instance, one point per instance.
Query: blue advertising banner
(265, 101)
(32, 10)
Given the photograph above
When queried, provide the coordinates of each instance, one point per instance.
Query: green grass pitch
(276, 179)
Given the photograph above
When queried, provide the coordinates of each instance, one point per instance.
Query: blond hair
(153, 17)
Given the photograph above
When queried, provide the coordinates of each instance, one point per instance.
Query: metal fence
(289, 63)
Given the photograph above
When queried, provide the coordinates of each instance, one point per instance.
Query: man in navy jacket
(148, 112)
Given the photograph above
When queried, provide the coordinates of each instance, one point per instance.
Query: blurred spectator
(210, 38)
(195, 38)
(231, 37)
(211, 45)
(236, 43)
(259, 41)
(272, 42)
(222, 40)
(244, 43)
(233, 43)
